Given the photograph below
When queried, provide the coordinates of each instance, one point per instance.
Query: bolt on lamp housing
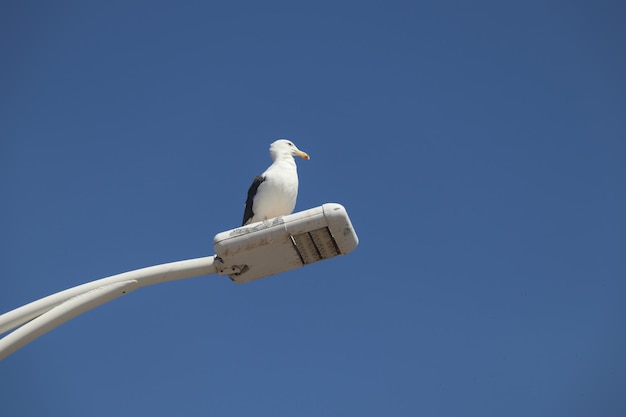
(284, 243)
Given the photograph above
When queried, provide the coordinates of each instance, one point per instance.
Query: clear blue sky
(478, 147)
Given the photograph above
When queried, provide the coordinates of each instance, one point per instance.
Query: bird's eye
(289, 143)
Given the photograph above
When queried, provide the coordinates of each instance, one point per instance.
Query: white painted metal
(277, 245)
(144, 276)
(61, 313)
(47, 313)
(247, 253)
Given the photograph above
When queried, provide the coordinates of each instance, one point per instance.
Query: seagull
(274, 192)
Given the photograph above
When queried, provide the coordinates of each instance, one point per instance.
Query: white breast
(276, 195)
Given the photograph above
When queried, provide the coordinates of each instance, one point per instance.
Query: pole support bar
(45, 314)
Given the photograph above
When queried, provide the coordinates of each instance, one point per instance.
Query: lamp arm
(49, 312)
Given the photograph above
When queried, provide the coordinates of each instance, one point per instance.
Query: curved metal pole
(62, 313)
(49, 312)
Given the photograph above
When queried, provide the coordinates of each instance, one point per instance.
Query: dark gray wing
(248, 213)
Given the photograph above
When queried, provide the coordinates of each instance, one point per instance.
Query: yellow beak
(302, 155)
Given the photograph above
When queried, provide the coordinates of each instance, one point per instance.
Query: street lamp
(244, 254)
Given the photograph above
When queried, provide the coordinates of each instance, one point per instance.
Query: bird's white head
(285, 148)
